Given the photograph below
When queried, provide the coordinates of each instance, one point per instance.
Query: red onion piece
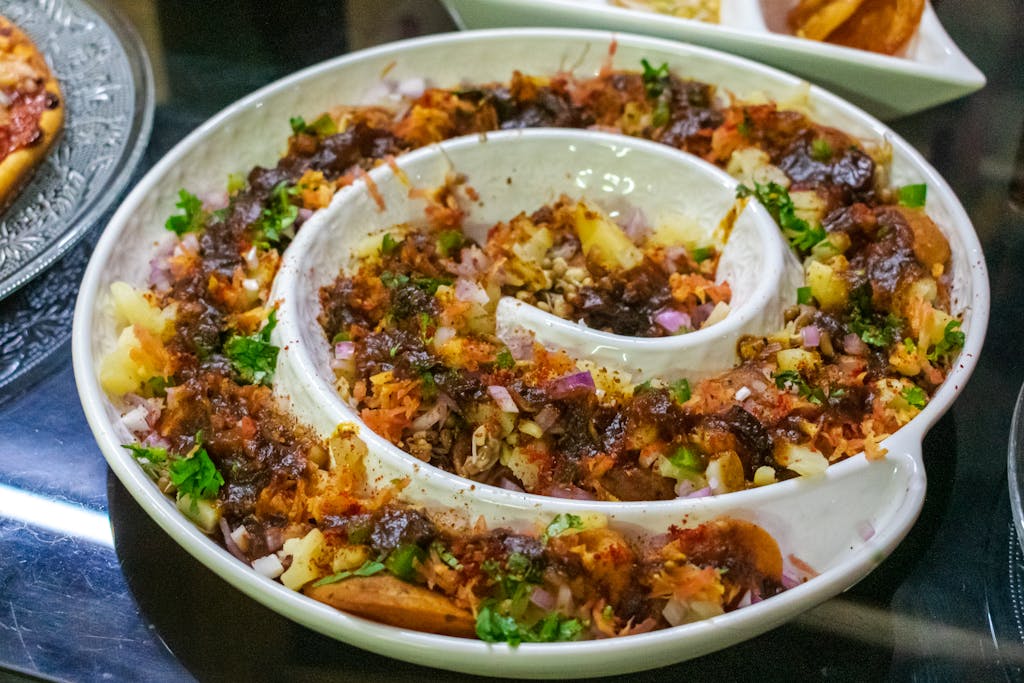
(702, 313)
(672, 320)
(344, 350)
(854, 345)
(519, 343)
(571, 492)
(438, 413)
(540, 597)
(634, 224)
(510, 485)
(547, 417)
(502, 398)
(789, 581)
(229, 541)
(472, 262)
(577, 383)
(811, 335)
(700, 493)
(467, 290)
(412, 87)
(442, 335)
(305, 214)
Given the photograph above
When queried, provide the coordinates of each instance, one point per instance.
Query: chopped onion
(472, 262)
(571, 492)
(702, 313)
(675, 612)
(789, 581)
(305, 214)
(344, 350)
(811, 335)
(438, 413)
(541, 598)
(742, 394)
(5, 99)
(229, 541)
(547, 417)
(412, 87)
(442, 335)
(700, 493)
(854, 345)
(467, 290)
(634, 224)
(135, 419)
(502, 398)
(672, 320)
(510, 485)
(269, 566)
(576, 383)
(252, 258)
(520, 343)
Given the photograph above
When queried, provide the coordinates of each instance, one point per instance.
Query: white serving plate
(931, 70)
(819, 520)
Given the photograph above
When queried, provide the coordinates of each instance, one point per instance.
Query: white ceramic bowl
(819, 520)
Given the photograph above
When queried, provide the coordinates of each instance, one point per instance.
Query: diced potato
(676, 229)
(905, 361)
(751, 165)
(307, 556)
(205, 514)
(521, 465)
(936, 325)
(603, 241)
(801, 459)
(827, 285)
(764, 475)
(808, 205)
(133, 307)
(718, 314)
(349, 557)
(799, 360)
(138, 357)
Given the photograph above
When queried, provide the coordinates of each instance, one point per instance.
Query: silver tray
(107, 84)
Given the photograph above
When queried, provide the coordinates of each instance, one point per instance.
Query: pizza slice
(31, 109)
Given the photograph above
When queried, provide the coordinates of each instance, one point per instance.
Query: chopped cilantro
(680, 390)
(425, 322)
(448, 242)
(910, 345)
(191, 216)
(368, 568)
(802, 235)
(151, 458)
(428, 386)
(393, 280)
(494, 627)
(655, 80)
(427, 284)
(952, 341)
(785, 379)
(803, 295)
(278, 215)
(872, 327)
(646, 385)
(388, 243)
(821, 150)
(323, 126)
(560, 524)
(913, 196)
(254, 358)
(686, 458)
(196, 476)
(342, 336)
(915, 396)
(504, 360)
(701, 254)
(403, 560)
(446, 555)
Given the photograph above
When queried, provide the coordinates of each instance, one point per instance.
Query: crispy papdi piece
(392, 601)
(884, 26)
(817, 19)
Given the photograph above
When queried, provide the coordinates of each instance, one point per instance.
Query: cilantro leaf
(152, 459)
(655, 80)
(701, 254)
(403, 560)
(560, 524)
(803, 295)
(236, 183)
(278, 215)
(952, 341)
(196, 476)
(190, 218)
(662, 113)
(323, 126)
(785, 379)
(492, 626)
(913, 196)
(368, 568)
(801, 235)
(254, 358)
(446, 555)
(915, 396)
(872, 327)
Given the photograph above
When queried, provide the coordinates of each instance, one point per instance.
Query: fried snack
(817, 19)
(701, 10)
(884, 26)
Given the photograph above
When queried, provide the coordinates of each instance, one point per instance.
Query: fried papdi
(883, 26)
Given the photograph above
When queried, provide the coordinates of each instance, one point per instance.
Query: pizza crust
(18, 166)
